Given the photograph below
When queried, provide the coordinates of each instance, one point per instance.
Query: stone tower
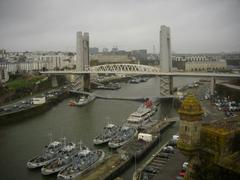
(190, 125)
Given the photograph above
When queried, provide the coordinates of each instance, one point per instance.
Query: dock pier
(124, 157)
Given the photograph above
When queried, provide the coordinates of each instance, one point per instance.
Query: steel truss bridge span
(124, 68)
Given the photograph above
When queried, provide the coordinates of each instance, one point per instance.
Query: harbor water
(20, 141)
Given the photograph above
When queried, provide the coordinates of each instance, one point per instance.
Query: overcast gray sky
(196, 25)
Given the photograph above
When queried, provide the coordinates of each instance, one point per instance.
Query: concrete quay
(121, 159)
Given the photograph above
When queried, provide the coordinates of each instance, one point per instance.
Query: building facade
(110, 58)
(205, 65)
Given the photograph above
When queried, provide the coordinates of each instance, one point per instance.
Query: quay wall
(25, 114)
(126, 164)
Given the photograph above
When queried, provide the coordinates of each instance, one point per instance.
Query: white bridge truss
(124, 68)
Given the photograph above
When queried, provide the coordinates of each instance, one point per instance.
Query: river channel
(23, 140)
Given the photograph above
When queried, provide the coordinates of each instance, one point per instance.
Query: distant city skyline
(196, 26)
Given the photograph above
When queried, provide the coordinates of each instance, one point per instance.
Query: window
(186, 128)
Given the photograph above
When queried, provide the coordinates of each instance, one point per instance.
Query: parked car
(168, 149)
(185, 165)
(182, 173)
(150, 169)
(164, 155)
(179, 178)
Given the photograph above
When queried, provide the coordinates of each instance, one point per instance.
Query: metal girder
(124, 68)
(165, 86)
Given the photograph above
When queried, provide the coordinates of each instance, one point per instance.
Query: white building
(191, 58)
(206, 65)
(38, 62)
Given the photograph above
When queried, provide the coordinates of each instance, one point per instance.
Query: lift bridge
(166, 78)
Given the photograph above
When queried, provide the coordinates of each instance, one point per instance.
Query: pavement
(173, 166)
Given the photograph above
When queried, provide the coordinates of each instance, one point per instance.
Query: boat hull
(117, 145)
(98, 141)
(61, 176)
(46, 171)
(33, 165)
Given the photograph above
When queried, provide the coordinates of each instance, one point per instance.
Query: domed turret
(190, 124)
(190, 106)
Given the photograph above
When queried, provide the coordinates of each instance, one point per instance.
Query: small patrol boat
(109, 131)
(63, 160)
(83, 161)
(124, 135)
(50, 153)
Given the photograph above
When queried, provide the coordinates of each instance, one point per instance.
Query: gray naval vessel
(82, 162)
(109, 131)
(50, 153)
(64, 158)
(124, 135)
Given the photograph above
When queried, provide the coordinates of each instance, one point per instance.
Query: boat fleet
(67, 159)
(118, 136)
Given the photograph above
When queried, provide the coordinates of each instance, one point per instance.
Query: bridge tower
(166, 82)
(82, 61)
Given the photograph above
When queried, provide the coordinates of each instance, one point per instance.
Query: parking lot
(166, 164)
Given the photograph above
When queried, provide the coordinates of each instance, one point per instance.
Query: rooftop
(191, 106)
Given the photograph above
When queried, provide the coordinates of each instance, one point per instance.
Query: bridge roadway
(183, 74)
(155, 98)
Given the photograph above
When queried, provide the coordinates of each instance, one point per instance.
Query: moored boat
(108, 132)
(82, 101)
(83, 161)
(62, 161)
(142, 115)
(49, 154)
(124, 135)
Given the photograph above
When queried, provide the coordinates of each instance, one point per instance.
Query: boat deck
(103, 170)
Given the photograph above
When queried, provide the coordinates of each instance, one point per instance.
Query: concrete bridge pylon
(166, 82)
(82, 61)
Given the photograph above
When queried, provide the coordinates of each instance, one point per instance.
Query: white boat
(142, 115)
(82, 101)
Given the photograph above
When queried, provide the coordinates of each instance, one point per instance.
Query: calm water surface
(20, 141)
